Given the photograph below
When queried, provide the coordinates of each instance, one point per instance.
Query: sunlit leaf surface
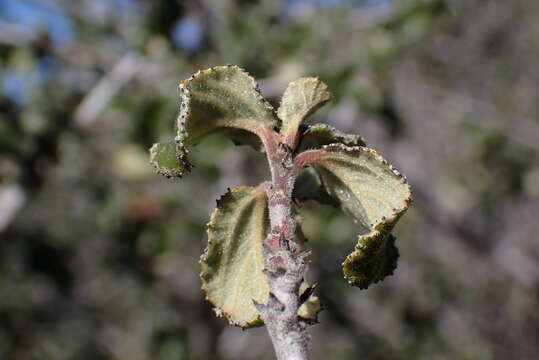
(222, 96)
(233, 261)
(222, 99)
(376, 195)
(301, 98)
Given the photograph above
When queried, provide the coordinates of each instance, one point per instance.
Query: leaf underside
(309, 186)
(232, 264)
(375, 195)
(222, 99)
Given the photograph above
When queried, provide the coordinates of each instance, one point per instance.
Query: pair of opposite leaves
(226, 100)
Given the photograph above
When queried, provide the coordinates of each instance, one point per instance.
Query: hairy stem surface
(285, 262)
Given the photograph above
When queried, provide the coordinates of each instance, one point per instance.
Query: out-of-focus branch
(96, 100)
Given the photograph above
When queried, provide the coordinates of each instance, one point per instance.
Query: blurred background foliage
(98, 255)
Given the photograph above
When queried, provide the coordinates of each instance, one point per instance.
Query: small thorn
(304, 254)
(307, 293)
(275, 303)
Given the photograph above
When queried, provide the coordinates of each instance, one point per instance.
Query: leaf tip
(168, 161)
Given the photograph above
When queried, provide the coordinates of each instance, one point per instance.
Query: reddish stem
(308, 157)
(285, 264)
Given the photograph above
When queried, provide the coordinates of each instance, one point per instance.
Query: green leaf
(375, 258)
(376, 195)
(222, 99)
(301, 98)
(163, 156)
(222, 96)
(232, 264)
(317, 135)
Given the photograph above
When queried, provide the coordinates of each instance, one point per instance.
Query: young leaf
(232, 264)
(301, 98)
(317, 135)
(375, 194)
(163, 156)
(222, 99)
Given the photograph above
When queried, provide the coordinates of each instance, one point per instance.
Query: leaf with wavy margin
(375, 194)
(222, 99)
(232, 264)
(163, 157)
(301, 98)
(317, 135)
